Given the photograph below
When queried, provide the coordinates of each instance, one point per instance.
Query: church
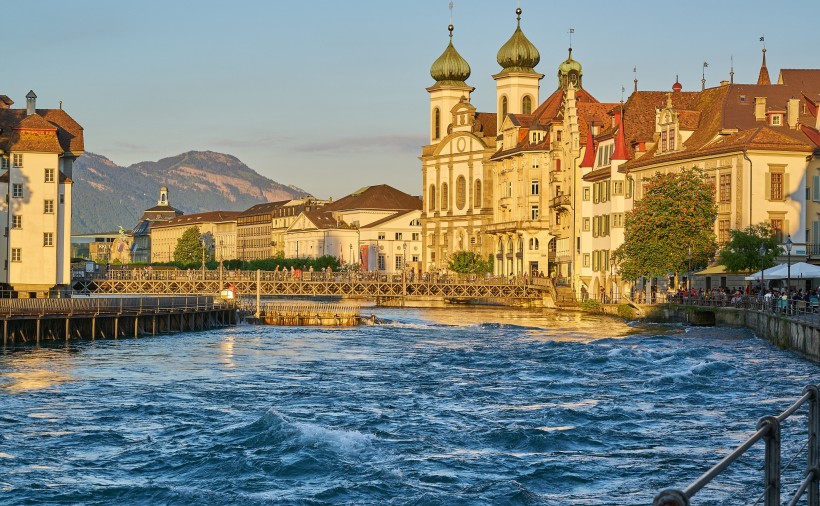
(502, 184)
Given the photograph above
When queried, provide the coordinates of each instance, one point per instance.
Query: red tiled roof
(14, 122)
(260, 209)
(194, 219)
(376, 197)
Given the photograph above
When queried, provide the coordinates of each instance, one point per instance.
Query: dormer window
(776, 119)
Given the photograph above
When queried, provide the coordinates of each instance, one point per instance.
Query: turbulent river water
(458, 406)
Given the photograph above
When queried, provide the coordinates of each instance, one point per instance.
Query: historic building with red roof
(758, 143)
(38, 148)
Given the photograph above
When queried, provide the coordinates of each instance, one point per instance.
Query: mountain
(106, 195)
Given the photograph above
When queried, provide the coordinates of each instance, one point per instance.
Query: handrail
(768, 429)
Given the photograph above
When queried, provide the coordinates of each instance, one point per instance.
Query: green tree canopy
(189, 248)
(675, 216)
(467, 262)
(742, 251)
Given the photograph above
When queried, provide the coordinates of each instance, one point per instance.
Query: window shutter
(768, 189)
(815, 190)
(815, 232)
(787, 190)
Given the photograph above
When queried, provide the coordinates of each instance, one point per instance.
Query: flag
(634, 69)
(705, 64)
(761, 39)
(623, 89)
(572, 30)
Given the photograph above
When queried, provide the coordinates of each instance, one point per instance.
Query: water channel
(457, 406)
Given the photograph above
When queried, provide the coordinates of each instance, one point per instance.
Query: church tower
(517, 85)
(450, 71)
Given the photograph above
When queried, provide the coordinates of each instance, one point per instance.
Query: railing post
(670, 497)
(771, 464)
(813, 463)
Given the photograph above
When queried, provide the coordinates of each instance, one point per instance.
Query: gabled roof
(383, 197)
(390, 218)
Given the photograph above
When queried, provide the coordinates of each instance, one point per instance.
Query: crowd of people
(789, 301)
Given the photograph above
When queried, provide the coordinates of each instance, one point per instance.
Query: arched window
(431, 198)
(536, 243)
(526, 105)
(436, 123)
(461, 192)
(503, 108)
(477, 201)
(444, 197)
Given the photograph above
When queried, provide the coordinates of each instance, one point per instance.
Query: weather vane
(571, 31)
(451, 12)
(763, 40)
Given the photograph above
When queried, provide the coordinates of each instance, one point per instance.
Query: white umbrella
(770, 273)
(782, 271)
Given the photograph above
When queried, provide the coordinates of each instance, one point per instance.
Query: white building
(376, 228)
(37, 151)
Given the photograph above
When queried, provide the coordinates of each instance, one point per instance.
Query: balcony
(500, 228)
(561, 201)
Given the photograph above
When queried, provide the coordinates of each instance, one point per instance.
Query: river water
(460, 406)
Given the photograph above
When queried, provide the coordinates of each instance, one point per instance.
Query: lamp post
(788, 264)
(611, 285)
(762, 252)
(689, 274)
(202, 243)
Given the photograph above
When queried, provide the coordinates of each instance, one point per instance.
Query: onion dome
(450, 68)
(518, 54)
(570, 71)
(677, 86)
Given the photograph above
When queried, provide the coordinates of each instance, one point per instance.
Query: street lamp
(689, 274)
(788, 264)
(611, 285)
(202, 242)
(762, 252)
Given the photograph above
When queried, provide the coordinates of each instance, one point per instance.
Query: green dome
(518, 54)
(570, 71)
(450, 68)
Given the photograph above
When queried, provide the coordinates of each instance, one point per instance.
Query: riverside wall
(800, 335)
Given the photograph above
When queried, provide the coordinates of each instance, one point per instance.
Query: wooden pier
(34, 320)
(325, 315)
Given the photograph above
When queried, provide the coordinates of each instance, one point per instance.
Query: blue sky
(329, 95)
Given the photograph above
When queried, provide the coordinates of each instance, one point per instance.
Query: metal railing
(10, 308)
(769, 430)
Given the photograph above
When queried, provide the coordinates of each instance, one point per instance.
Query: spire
(635, 72)
(620, 152)
(732, 72)
(518, 54)
(703, 76)
(589, 154)
(570, 71)
(450, 68)
(763, 78)
(677, 86)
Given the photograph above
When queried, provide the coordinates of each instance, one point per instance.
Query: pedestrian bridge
(382, 288)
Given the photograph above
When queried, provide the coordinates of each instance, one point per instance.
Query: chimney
(31, 103)
(724, 83)
(760, 108)
(793, 112)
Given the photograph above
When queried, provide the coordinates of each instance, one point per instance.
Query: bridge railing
(769, 430)
(94, 306)
(228, 275)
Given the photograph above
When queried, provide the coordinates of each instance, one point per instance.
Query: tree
(189, 248)
(742, 251)
(675, 216)
(467, 262)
